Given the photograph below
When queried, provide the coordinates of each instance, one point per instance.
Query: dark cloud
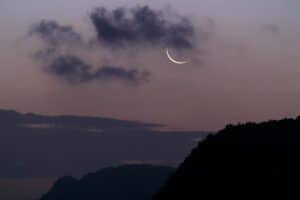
(271, 28)
(75, 70)
(64, 49)
(71, 67)
(142, 25)
(55, 34)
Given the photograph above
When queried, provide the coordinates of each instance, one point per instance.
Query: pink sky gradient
(248, 73)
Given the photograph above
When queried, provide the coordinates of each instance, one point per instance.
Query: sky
(68, 57)
(243, 62)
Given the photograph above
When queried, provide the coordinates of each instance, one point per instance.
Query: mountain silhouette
(41, 146)
(132, 182)
(246, 161)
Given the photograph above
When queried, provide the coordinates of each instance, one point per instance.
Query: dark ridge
(242, 161)
(62, 187)
(132, 182)
(37, 146)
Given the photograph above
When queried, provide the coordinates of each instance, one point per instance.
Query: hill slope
(132, 182)
(250, 160)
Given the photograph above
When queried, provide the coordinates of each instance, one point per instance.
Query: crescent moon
(173, 60)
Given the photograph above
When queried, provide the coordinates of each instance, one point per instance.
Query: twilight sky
(244, 62)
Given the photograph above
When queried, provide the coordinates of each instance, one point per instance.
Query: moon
(173, 60)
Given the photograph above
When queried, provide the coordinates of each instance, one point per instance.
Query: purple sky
(249, 68)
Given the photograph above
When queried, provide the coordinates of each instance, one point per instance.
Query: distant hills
(252, 160)
(41, 146)
(130, 182)
(247, 161)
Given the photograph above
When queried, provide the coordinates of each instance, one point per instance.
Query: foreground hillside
(250, 160)
(134, 182)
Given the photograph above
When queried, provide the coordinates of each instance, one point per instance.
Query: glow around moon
(173, 60)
